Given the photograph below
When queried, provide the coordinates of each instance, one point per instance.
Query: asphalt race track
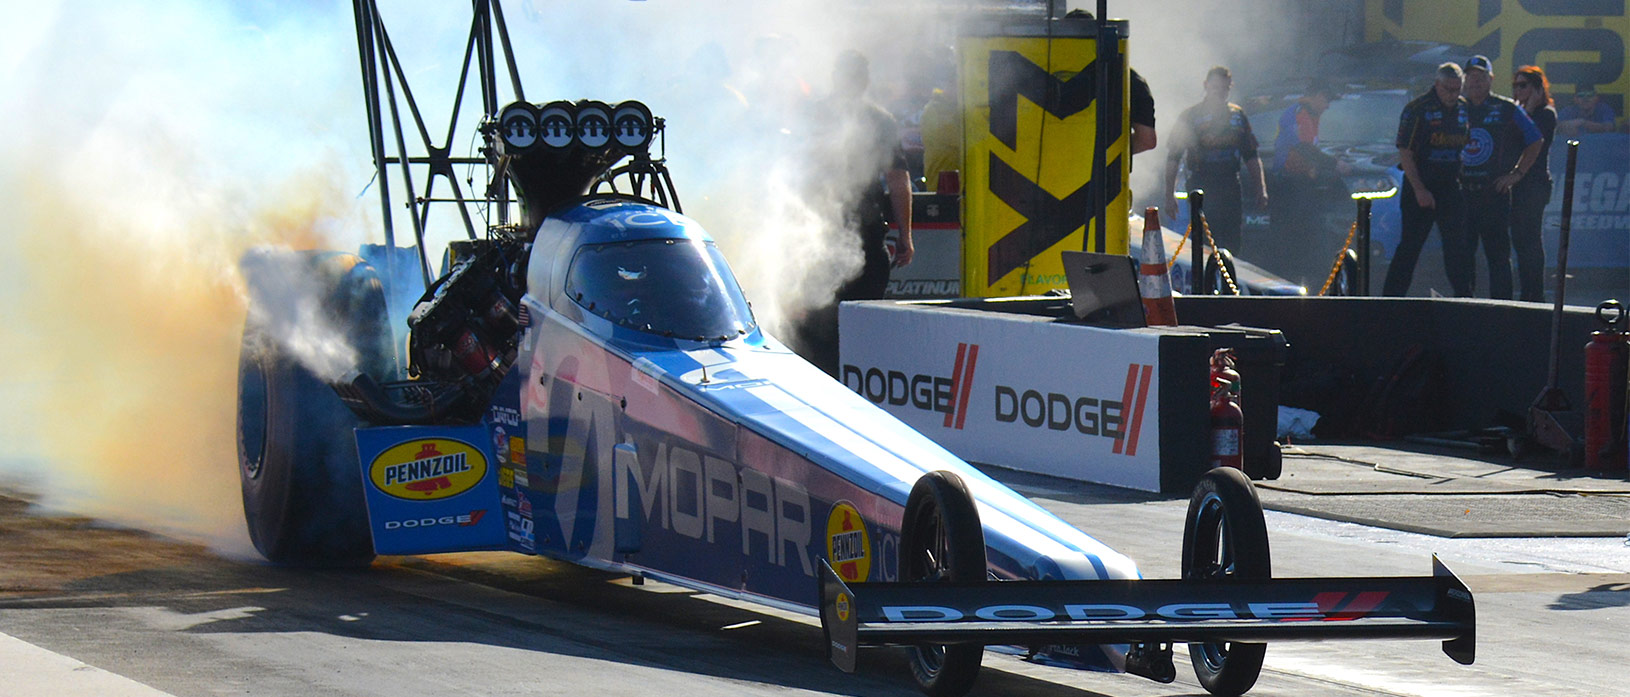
(86, 609)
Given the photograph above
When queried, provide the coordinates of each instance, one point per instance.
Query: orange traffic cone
(1153, 283)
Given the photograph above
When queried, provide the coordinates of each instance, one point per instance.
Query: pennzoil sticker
(843, 607)
(428, 469)
(847, 545)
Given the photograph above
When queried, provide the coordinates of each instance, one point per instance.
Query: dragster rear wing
(1041, 613)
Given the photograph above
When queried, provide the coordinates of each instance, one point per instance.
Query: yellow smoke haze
(129, 335)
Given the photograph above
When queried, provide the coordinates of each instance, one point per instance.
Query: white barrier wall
(1017, 391)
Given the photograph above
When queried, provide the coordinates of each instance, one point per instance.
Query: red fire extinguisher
(1605, 367)
(1222, 367)
(1227, 426)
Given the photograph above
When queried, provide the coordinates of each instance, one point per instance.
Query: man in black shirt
(1500, 130)
(1142, 115)
(861, 165)
(1216, 138)
(1432, 132)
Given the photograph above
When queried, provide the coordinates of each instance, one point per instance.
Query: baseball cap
(1480, 62)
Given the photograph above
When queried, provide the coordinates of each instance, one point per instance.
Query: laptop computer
(1104, 288)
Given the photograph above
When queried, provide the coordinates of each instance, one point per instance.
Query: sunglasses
(1519, 83)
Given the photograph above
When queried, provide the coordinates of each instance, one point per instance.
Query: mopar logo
(463, 520)
(946, 395)
(1091, 416)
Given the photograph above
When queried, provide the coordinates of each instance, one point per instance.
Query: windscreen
(674, 288)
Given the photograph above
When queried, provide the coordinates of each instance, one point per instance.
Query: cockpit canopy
(618, 263)
(677, 288)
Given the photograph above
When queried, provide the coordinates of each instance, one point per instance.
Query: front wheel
(941, 539)
(1226, 537)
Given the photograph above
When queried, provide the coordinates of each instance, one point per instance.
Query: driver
(625, 295)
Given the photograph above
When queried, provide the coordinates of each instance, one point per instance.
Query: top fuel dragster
(589, 383)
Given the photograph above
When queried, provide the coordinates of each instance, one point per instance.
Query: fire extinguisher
(1227, 426)
(1605, 367)
(1222, 367)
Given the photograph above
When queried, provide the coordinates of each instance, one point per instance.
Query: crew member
(863, 163)
(1499, 130)
(1301, 178)
(1141, 109)
(1142, 113)
(1587, 114)
(1216, 139)
(1532, 193)
(1432, 131)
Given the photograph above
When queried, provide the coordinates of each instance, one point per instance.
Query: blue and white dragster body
(587, 382)
(727, 464)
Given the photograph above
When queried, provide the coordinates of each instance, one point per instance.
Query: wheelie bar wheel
(941, 540)
(1226, 537)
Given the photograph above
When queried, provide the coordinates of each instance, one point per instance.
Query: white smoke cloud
(152, 144)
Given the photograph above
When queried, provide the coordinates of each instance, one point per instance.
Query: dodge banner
(971, 382)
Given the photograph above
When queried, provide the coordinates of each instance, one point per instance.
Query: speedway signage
(972, 382)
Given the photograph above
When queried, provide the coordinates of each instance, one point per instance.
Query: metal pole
(1096, 240)
(1199, 282)
(1363, 241)
(1562, 260)
(365, 16)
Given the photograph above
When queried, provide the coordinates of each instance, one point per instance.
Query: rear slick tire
(1226, 537)
(941, 539)
(297, 455)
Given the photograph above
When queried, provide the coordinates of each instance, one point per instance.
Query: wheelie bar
(1043, 613)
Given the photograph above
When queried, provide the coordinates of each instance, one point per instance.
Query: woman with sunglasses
(1532, 192)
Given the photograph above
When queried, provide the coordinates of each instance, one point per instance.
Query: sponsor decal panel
(462, 520)
(428, 469)
(519, 523)
(431, 489)
(848, 546)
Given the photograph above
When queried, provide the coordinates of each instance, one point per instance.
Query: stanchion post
(1562, 261)
(1199, 283)
(1363, 241)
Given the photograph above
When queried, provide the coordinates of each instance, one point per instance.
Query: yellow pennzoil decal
(842, 605)
(428, 469)
(847, 545)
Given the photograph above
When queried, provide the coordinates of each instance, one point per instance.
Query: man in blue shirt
(1431, 133)
(1301, 183)
(1499, 130)
(1587, 114)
